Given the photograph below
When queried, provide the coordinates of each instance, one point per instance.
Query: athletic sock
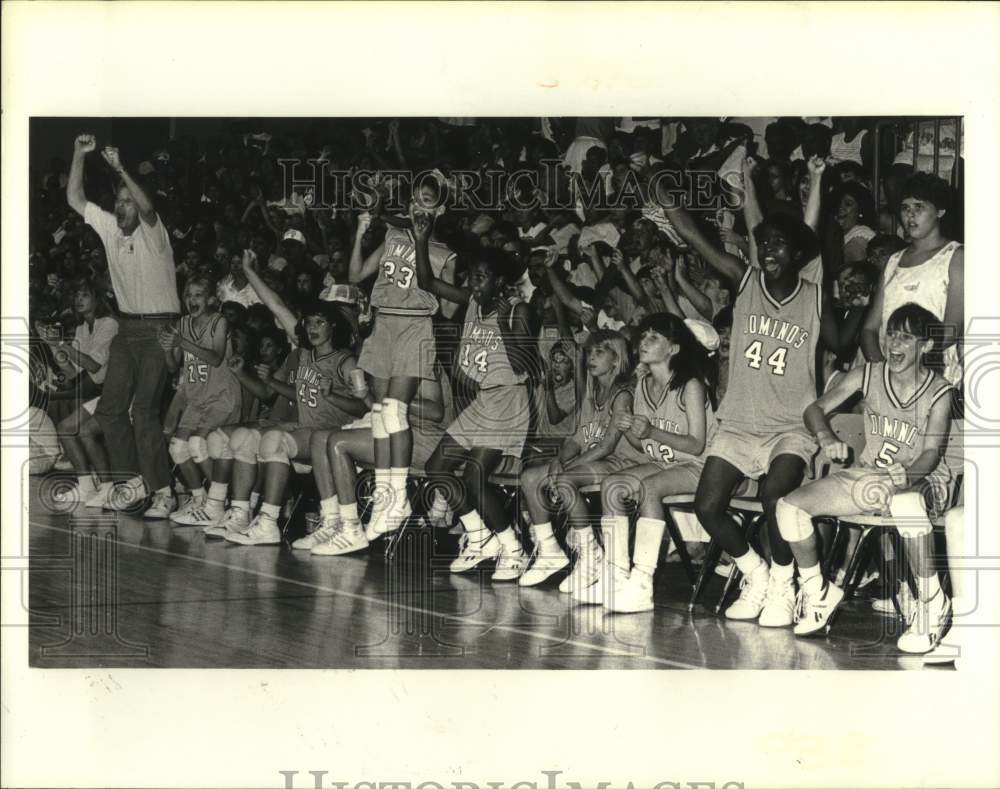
(748, 562)
(648, 536)
(330, 507)
(381, 496)
(349, 512)
(508, 541)
(166, 490)
(397, 481)
(252, 503)
(240, 505)
(217, 491)
(271, 511)
(198, 496)
(545, 539)
(783, 572)
(811, 579)
(614, 530)
(474, 526)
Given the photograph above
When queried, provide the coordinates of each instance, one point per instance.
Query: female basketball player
(672, 418)
(398, 354)
(777, 319)
(907, 410)
(322, 389)
(209, 391)
(494, 360)
(585, 458)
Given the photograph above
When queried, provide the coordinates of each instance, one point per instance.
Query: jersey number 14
(480, 359)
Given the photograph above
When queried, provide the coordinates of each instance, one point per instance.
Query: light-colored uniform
(772, 376)
(669, 414)
(402, 341)
(498, 417)
(213, 395)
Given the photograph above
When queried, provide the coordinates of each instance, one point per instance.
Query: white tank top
(847, 151)
(926, 285)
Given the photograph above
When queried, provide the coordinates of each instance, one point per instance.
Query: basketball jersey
(315, 410)
(395, 291)
(201, 381)
(482, 354)
(772, 370)
(669, 414)
(895, 430)
(283, 409)
(926, 285)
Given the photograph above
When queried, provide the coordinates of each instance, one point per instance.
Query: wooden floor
(107, 591)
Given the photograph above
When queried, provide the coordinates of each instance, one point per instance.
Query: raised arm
(870, 345)
(814, 203)
(142, 202)
(752, 213)
(268, 297)
(634, 288)
(84, 144)
(423, 222)
(701, 302)
(360, 269)
(730, 266)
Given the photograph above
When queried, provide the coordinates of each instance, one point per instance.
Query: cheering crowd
(651, 307)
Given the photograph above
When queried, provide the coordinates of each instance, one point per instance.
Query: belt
(149, 316)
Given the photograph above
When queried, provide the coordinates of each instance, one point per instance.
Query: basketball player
(777, 319)
(399, 353)
(907, 411)
(494, 359)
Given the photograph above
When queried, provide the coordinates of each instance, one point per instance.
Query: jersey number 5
(405, 272)
(776, 361)
(886, 455)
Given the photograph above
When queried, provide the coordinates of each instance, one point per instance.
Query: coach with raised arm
(141, 264)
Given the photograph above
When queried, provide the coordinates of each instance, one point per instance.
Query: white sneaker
(348, 538)
(125, 496)
(235, 520)
(924, 630)
(472, 554)
(907, 603)
(262, 531)
(186, 508)
(723, 570)
(543, 566)
(389, 520)
(208, 513)
(954, 649)
(813, 611)
(779, 603)
(596, 573)
(163, 504)
(511, 566)
(102, 497)
(327, 528)
(753, 592)
(633, 596)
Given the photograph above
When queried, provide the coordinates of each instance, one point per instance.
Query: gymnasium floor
(107, 591)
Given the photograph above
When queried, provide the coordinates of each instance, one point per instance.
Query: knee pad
(218, 445)
(910, 514)
(276, 446)
(794, 523)
(394, 416)
(244, 444)
(378, 423)
(179, 450)
(199, 449)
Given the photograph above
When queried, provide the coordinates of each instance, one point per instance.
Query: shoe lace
(801, 603)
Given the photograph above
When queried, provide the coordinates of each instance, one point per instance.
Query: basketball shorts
(753, 454)
(210, 414)
(871, 492)
(496, 419)
(399, 347)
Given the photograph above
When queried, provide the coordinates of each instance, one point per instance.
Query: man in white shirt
(141, 265)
